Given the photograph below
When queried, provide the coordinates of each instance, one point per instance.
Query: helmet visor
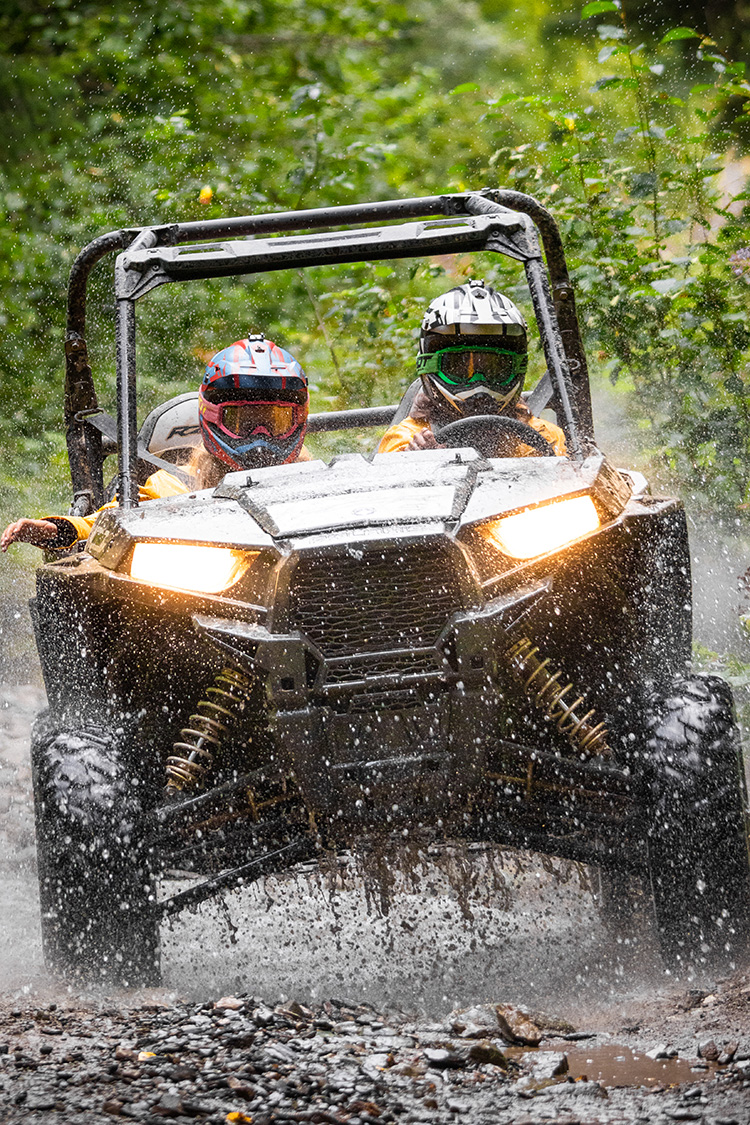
(464, 367)
(243, 419)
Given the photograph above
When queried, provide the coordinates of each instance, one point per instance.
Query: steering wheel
(493, 435)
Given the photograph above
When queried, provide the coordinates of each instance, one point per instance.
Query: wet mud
(315, 998)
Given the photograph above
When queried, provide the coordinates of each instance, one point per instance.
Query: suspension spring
(202, 740)
(546, 690)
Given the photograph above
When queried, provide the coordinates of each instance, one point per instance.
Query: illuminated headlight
(182, 566)
(537, 531)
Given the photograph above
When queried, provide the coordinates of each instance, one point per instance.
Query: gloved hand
(425, 439)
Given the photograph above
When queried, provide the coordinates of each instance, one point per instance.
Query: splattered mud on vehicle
(506, 920)
(460, 645)
(425, 699)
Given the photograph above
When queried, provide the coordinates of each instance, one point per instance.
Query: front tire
(96, 888)
(696, 834)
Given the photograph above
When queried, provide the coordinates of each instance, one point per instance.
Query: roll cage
(492, 220)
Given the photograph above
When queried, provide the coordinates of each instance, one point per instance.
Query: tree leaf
(667, 285)
(598, 6)
(465, 88)
(680, 33)
(611, 31)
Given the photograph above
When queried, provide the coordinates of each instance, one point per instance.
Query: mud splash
(455, 923)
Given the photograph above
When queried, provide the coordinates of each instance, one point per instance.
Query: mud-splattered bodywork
(375, 619)
(442, 643)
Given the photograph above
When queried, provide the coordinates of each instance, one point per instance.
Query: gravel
(217, 1062)
(196, 1055)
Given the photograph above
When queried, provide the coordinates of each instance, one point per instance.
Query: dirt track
(531, 938)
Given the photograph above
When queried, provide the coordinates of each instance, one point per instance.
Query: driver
(252, 409)
(472, 361)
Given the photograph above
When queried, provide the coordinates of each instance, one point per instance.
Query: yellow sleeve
(158, 485)
(397, 438)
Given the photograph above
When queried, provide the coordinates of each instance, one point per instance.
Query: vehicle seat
(407, 400)
(171, 431)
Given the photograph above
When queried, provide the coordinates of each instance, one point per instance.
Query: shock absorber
(546, 690)
(201, 741)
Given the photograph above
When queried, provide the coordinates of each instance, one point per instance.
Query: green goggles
(461, 367)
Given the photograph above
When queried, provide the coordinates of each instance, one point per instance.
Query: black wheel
(697, 843)
(95, 885)
(493, 435)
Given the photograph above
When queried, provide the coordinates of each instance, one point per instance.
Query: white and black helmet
(473, 350)
(472, 309)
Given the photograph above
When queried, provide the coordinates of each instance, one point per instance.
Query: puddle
(614, 1065)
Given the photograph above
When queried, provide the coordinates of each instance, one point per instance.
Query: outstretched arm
(37, 532)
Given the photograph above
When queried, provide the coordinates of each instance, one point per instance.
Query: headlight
(181, 566)
(540, 530)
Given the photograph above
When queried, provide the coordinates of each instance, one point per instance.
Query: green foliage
(126, 116)
(635, 173)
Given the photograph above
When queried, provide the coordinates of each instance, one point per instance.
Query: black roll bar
(563, 294)
(350, 419)
(84, 440)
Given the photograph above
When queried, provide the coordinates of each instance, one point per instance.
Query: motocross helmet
(252, 405)
(472, 351)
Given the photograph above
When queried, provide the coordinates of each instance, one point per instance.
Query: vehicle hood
(431, 489)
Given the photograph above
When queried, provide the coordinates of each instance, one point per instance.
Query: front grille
(342, 670)
(376, 600)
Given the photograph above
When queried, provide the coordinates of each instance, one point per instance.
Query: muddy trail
(484, 989)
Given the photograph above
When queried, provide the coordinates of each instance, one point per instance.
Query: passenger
(252, 409)
(472, 360)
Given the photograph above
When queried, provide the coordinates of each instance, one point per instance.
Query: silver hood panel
(399, 491)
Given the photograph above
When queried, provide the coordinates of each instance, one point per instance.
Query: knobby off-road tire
(697, 844)
(95, 883)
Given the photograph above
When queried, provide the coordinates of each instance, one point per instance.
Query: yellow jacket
(71, 529)
(397, 438)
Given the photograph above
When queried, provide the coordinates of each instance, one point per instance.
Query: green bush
(117, 118)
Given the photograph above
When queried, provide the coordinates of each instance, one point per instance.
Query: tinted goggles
(461, 367)
(243, 419)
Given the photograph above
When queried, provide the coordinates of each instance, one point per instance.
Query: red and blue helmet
(252, 405)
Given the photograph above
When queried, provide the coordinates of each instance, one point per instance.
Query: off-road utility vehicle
(460, 643)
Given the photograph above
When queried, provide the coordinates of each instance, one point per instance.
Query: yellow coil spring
(544, 688)
(193, 758)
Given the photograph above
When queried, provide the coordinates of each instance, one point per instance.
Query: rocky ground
(235, 1059)
(541, 1021)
